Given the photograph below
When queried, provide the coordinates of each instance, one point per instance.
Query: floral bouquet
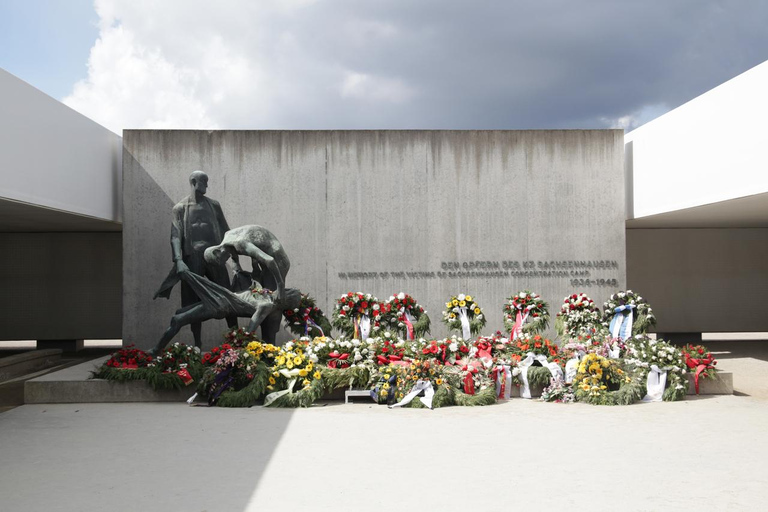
(406, 316)
(358, 315)
(388, 349)
(626, 313)
(658, 356)
(213, 355)
(342, 353)
(597, 376)
(385, 389)
(537, 345)
(578, 315)
(445, 351)
(177, 359)
(525, 312)
(307, 319)
(129, 358)
(558, 391)
(238, 338)
(700, 361)
(463, 314)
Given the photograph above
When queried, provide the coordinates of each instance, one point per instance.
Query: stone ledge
(27, 362)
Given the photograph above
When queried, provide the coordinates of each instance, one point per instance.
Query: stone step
(25, 363)
(722, 385)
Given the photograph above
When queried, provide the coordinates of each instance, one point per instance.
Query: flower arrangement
(213, 355)
(129, 358)
(387, 349)
(445, 351)
(603, 381)
(525, 312)
(354, 313)
(621, 303)
(385, 388)
(537, 345)
(177, 357)
(406, 316)
(238, 338)
(558, 391)
(307, 319)
(341, 353)
(644, 352)
(701, 362)
(463, 314)
(578, 315)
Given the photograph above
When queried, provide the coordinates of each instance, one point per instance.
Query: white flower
(461, 296)
(401, 295)
(453, 347)
(376, 307)
(345, 308)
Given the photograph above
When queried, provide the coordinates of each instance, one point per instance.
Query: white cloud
(304, 64)
(638, 118)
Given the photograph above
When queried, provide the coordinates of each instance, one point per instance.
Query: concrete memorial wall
(430, 213)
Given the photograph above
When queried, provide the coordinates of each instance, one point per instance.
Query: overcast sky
(305, 64)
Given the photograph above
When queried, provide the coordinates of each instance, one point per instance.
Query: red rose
(364, 305)
(463, 349)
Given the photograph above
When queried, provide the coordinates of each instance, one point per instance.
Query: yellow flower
(305, 382)
(289, 364)
(272, 380)
(462, 303)
(309, 366)
(477, 311)
(469, 298)
(448, 304)
(270, 388)
(439, 382)
(387, 376)
(455, 302)
(280, 360)
(297, 360)
(317, 375)
(303, 373)
(451, 316)
(605, 363)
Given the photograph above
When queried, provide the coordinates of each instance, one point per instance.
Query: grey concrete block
(722, 385)
(72, 385)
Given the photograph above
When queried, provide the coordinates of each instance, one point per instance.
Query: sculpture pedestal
(65, 345)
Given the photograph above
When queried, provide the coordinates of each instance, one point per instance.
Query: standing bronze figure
(198, 223)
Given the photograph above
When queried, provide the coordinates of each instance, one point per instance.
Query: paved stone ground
(706, 452)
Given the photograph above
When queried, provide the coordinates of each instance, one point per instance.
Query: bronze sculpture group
(201, 245)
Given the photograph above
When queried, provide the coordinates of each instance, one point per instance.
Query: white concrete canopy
(707, 151)
(58, 161)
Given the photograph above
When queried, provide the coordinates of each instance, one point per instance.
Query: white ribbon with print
(621, 323)
(421, 385)
(409, 333)
(465, 331)
(554, 369)
(572, 367)
(365, 327)
(657, 379)
(289, 374)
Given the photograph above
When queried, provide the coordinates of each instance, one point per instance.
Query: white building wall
(708, 150)
(55, 157)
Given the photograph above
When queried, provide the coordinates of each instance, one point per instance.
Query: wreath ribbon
(502, 376)
(525, 364)
(621, 323)
(464, 318)
(289, 374)
(655, 383)
(572, 367)
(701, 364)
(421, 385)
(408, 320)
(520, 319)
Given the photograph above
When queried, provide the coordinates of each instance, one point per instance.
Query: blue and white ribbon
(621, 323)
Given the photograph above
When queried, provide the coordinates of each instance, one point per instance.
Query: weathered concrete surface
(692, 276)
(72, 385)
(60, 286)
(382, 201)
(85, 457)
